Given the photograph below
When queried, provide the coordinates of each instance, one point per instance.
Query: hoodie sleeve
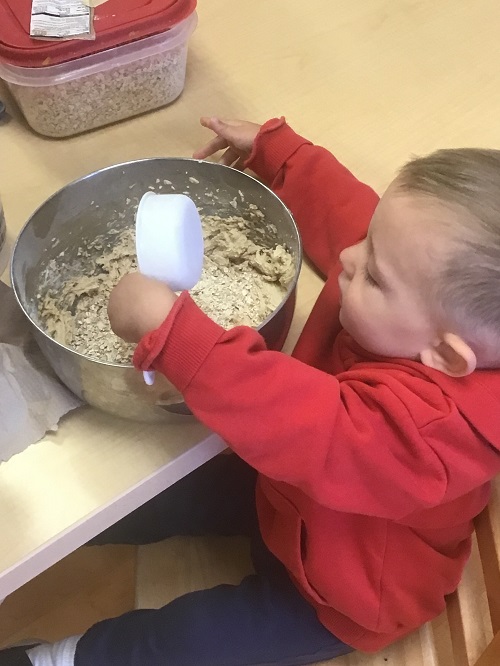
(331, 207)
(352, 443)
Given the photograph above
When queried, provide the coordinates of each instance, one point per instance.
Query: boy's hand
(138, 305)
(235, 136)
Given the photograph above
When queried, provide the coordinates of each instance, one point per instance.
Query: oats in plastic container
(137, 63)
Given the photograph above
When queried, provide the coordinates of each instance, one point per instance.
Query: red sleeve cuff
(275, 143)
(180, 345)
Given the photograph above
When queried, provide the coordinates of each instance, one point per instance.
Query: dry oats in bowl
(79, 243)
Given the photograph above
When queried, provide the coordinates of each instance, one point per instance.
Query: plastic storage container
(124, 72)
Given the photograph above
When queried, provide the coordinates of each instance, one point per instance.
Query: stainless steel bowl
(96, 204)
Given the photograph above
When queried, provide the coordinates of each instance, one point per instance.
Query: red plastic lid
(115, 22)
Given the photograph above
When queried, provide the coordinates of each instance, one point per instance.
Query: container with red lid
(137, 63)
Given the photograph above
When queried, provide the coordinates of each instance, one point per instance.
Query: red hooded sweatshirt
(371, 469)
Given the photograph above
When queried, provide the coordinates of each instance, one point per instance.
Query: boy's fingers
(213, 146)
(206, 121)
(229, 157)
(224, 128)
(239, 164)
(215, 124)
(211, 122)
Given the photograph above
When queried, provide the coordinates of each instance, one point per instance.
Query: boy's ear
(451, 355)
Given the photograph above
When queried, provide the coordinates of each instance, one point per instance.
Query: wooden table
(375, 81)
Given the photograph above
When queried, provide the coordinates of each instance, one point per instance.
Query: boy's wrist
(154, 319)
(137, 305)
(273, 146)
(179, 345)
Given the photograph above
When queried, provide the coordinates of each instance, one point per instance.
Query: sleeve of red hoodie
(332, 208)
(353, 443)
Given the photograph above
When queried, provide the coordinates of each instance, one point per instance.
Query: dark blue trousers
(262, 621)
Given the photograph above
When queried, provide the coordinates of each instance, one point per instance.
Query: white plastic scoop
(169, 242)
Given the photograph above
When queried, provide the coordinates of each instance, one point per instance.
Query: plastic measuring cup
(169, 242)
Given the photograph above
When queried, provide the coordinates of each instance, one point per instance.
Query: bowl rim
(121, 165)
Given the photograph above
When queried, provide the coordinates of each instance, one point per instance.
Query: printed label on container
(60, 18)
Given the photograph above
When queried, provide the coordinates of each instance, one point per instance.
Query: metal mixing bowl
(101, 203)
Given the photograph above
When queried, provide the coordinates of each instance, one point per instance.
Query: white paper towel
(32, 400)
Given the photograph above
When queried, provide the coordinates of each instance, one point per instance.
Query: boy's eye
(369, 278)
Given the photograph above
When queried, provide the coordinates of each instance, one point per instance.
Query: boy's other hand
(138, 305)
(235, 137)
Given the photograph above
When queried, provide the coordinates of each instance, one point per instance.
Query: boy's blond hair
(468, 286)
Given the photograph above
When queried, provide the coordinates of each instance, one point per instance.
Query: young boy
(373, 445)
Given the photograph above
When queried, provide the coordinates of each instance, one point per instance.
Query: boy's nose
(346, 258)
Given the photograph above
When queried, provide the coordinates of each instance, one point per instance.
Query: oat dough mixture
(242, 283)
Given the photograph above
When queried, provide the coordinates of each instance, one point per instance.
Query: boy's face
(386, 279)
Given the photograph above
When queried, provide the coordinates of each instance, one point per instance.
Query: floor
(97, 582)
(88, 585)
